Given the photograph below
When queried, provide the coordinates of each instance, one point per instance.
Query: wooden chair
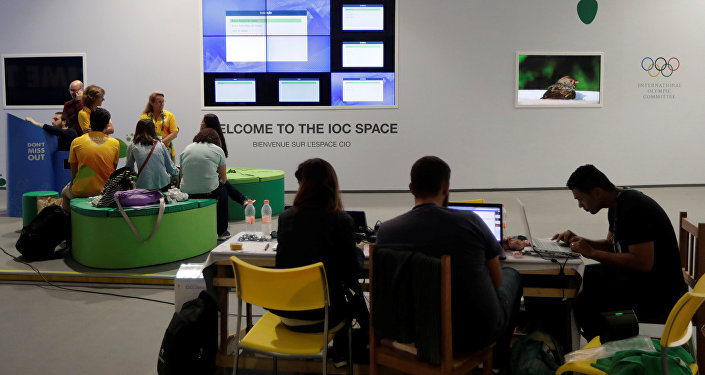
(691, 243)
(404, 357)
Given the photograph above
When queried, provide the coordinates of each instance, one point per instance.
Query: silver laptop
(545, 247)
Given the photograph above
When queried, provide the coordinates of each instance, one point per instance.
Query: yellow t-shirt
(84, 119)
(165, 125)
(96, 155)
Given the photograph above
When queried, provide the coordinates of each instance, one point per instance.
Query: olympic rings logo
(664, 68)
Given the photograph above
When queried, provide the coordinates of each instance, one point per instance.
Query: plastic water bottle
(250, 217)
(266, 219)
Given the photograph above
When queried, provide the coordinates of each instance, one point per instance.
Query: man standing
(485, 296)
(73, 106)
(93, 158)
(639, 265)
(58, 127)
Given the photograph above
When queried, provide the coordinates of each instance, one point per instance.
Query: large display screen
(33, 81)
(318, 53)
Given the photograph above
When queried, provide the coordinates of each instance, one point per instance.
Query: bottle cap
(266, 201)
(250, 201)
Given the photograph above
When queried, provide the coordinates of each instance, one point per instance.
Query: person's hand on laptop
(566, 236)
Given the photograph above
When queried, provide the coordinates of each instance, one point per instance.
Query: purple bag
(138, 197)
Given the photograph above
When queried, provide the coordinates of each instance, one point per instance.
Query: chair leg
(237, 357)
(487, 365)
(350, 350)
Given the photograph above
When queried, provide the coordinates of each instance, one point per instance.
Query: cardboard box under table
(102, 238)
(258, 184)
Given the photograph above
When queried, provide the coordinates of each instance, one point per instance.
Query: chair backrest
(677, 330)
(411, 301)
(291, 289)
(691, 243)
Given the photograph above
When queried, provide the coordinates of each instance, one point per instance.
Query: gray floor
(44, 330)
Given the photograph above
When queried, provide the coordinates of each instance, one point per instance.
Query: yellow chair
(292, 289)
(677, 331)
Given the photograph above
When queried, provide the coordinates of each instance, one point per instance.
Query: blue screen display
(271, 39)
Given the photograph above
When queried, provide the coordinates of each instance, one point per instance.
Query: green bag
(639, 362)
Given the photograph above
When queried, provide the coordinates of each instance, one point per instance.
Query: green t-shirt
(199, 167)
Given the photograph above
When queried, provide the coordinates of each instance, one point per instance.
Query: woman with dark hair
(92, 98)
(211, 121)
(317, 229)
(151, 158)
(203, 174)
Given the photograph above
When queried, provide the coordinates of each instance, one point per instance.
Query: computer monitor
(490, 213)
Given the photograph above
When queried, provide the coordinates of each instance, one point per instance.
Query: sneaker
(339, 360)
(224, 236)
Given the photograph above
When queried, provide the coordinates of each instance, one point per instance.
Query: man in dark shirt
(58, 127)
(73, 106)
(639, 265)
(485, 296)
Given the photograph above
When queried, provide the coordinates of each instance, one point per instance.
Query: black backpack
(191, 341)
(38, 240)
(538, 353)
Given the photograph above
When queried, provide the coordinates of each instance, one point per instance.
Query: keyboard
(550, 245)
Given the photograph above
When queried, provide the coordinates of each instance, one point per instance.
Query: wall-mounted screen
(40, 80)
(559, 79)
(273, 53)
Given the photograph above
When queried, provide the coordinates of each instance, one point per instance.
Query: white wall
(456, 89)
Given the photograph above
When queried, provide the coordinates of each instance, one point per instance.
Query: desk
(539, 275)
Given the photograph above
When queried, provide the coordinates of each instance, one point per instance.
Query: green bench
(258, 184)
(102, 239)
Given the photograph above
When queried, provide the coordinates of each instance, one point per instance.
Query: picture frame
(559, 79)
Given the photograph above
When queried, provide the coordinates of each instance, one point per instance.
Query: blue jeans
(509, 294)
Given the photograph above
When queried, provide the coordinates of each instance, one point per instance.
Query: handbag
(137, 197)
(121, 179)
(140, 197)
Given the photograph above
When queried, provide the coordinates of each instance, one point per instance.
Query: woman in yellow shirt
(93, 97)
(164, 121)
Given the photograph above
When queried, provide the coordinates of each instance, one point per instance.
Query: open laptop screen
(490, 213)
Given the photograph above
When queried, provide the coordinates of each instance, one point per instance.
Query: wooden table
(541, 277)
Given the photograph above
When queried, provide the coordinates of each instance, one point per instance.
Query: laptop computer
(542, 246)
(490, 213)
(360, 221)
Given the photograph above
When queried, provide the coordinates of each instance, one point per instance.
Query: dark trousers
(509, 294)
(221, 195)
(235, 194)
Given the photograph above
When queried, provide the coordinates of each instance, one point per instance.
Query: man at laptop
(639, 264)
(485, 296)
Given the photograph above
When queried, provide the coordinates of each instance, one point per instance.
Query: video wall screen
(310, 53)
(40, 81)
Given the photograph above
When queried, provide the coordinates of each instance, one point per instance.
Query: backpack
(38, 240)
(538, 353)
(121, 179)
(191, 341)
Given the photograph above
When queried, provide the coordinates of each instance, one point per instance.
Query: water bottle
(250, 217)
(266, 219)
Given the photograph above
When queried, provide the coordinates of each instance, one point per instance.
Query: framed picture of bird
(559, 79)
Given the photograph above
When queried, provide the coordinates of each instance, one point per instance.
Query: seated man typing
(639, 265)
(485, 296)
